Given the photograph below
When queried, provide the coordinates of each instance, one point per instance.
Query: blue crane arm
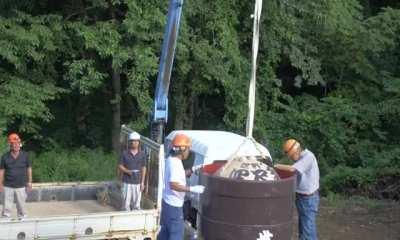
(166, 61)
(160, 110)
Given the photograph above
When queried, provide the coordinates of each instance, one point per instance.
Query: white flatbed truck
(89, 210)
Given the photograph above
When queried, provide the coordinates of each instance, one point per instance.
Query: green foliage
(349, 180)
(347, 119)
(24, 99)
(3, 144)
(77, 165)
(327, 75)
(84, 76)
(27, 73)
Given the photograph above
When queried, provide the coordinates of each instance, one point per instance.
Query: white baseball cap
(134, 136)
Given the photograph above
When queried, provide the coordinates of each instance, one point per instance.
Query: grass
(77, 165)
(355, 202)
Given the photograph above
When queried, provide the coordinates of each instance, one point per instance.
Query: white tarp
(221, 145)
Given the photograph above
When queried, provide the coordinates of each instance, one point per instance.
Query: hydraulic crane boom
(160, 109)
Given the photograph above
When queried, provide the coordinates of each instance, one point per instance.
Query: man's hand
(1, 187)
(197, 189)
(29, 187)
(142, 187)
(197, 167)
(124, 170)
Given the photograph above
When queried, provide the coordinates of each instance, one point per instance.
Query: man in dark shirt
(133, 167)
(15, 177)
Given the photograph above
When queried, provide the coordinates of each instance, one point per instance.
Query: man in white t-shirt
(172, 224)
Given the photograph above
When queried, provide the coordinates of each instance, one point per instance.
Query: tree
(28, 74)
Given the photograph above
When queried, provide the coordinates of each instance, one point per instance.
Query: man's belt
(307, 194)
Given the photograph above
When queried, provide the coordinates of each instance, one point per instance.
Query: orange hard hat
(13, 138)
(181, 140)
(290, 146)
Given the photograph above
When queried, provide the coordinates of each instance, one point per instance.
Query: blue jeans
(307, 208)
(172, 225)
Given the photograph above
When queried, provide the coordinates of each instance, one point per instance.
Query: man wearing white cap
(133, 167)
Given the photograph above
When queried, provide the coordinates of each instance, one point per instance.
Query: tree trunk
(179, 113)
(180, 104)
(190, 110)
(185, 99)
(116, 110)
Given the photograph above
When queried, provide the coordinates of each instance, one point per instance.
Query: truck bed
(63, 208)
(88, 210)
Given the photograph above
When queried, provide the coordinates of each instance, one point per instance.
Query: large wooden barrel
(247, 210)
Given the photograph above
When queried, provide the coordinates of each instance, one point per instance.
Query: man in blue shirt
(307, 195)
(133, 167)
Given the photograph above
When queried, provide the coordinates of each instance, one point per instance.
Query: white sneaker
(22, 217)
(6, 215)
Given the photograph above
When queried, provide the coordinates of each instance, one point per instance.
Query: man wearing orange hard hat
(307, 195)
(172, 223)
(15, 177)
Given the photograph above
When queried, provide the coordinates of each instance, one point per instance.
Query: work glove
(197, 167)
(197, 189)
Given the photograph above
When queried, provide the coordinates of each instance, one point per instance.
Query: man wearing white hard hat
(133, 167)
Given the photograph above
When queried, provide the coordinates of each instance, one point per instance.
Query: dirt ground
(355, 221)
(358, 222)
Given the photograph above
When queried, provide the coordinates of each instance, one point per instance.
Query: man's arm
(175, 175)
(143, 171)
(121, 166)
(285, 167)
(143, 177)
(29, 183)
(2, 170)
(1, 179)
(124, 169)
(178, 187)
(29, 174)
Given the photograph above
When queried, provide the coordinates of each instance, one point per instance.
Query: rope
(252, 86)
(235, 154)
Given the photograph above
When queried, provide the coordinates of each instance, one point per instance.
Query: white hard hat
(134, 136)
